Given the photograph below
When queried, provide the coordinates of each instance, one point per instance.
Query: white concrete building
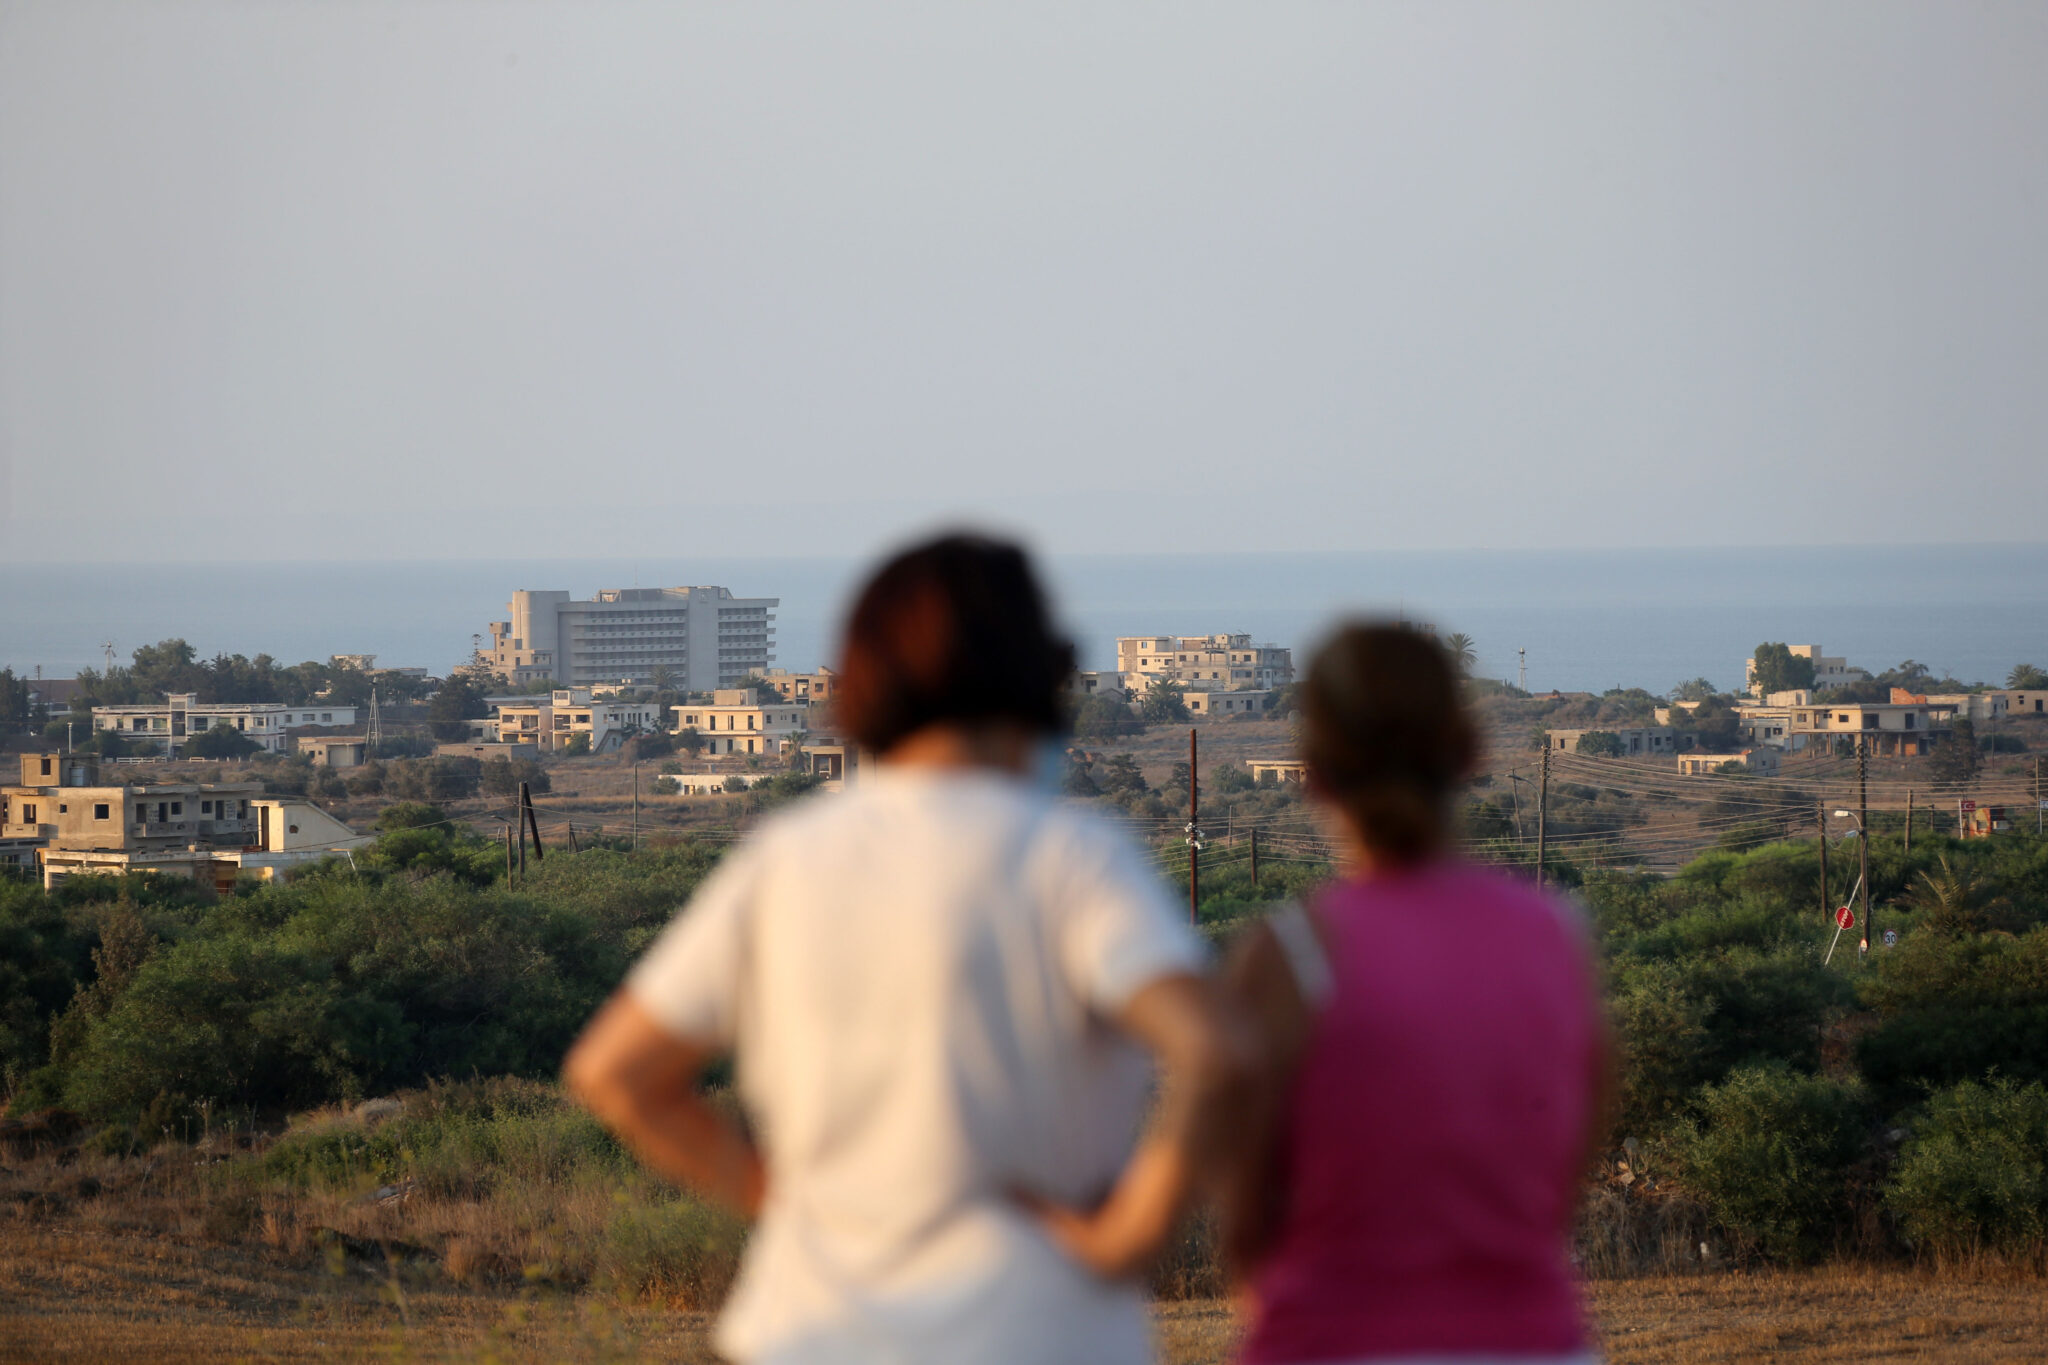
(181, 716)
(703, 636)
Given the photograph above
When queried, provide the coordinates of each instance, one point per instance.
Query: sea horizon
(1588, 619)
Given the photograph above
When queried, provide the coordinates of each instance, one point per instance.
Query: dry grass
(83, 1288)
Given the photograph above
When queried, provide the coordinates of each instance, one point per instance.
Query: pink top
(1433, 1139)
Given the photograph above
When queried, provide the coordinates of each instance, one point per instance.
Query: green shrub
(1952, 1009)
(1974, 1178)
(1771, 1154)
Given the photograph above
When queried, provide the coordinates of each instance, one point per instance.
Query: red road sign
(1966, 805)
(1845, 917)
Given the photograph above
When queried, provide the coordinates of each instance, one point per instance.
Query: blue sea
(1589, 619)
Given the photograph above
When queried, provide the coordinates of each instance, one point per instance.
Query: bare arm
(641, 1082)
(1203, 1057)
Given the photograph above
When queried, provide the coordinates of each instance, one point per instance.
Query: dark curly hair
(955, 629)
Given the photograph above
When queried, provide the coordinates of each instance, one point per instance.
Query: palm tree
(1463, 655)
(1953, 901)
(2026, 676)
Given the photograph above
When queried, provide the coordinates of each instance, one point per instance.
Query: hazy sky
(356, 279)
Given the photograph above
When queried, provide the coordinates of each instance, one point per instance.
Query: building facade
(550, 723)
(703, 638)
(182, 716)
(1828, 670)
(740, 720)
(1636, 740)
(1202, 663)
(1249, 703)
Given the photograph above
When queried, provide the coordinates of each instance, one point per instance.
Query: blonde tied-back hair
(1387, 739)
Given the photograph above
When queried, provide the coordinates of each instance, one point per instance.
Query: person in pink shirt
(1407, 1176)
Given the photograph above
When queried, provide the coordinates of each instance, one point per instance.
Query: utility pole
(1194, 832)
(1909, 819)
(636, 805)
(2038, 807)
(1255, 861)
(519, 823)
(532, 822)
(1543, 811)
(508, 853)
(1863, 830)
(1826, 910)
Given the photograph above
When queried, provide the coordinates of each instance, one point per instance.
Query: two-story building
(804, 687)
(1828, 670)
(182, 715)
(1201, 663)
(550, 723)
(740, 720)
(1897, 728)
(209, 831)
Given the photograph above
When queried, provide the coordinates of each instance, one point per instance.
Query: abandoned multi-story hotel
(704, 638)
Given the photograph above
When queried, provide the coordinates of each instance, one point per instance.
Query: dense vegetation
(1802, 1108)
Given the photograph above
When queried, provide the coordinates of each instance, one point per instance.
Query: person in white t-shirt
(941, 989)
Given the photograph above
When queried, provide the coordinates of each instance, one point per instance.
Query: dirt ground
(71, 1293)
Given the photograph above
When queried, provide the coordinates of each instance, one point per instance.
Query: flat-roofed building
(739, 720)
(1636, 740)
(1902, 729)
(702, 638)
(1246, 703)
(808, 687)
(335, 751)
(550, 723)
(1266, 770)
(1202, 663)
(86, 813)
(182, 715)
(1761, 762)
(1828, 670)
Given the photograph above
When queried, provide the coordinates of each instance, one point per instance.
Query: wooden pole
(1827, 910)
(508, 853)
(636, 804)
(1194, 832)
(532, 821)
(1255, 861)
(1863, 831)
(1543, 811)
(1909, 819)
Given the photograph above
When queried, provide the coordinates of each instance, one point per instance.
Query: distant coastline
(1590, 619)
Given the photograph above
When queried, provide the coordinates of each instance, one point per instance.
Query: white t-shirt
(916, 978)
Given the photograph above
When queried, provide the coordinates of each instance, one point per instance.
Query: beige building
(1636, 740)
(78, 811)
(1828, 670)
(1895, 728)
(1202, 663)
(335, 751)
(1279, 769)
(182, 716)
(739, 720)
(549, 724)
(207, 831)
(1249, 703)
(1762, 762)
(704, 637)
(804, 687)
